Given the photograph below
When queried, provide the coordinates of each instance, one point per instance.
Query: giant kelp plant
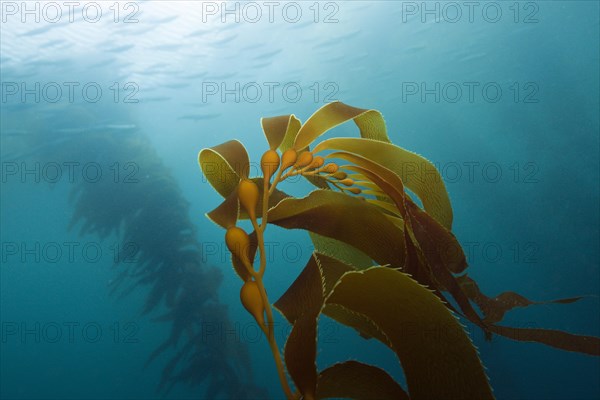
(160, 250)
(374, 203)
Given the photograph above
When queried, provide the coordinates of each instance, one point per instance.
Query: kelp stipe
(422, 262)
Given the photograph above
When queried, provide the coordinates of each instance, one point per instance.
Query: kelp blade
(345, 218)
(355, 380)
(561, 340)
(340, 251)
(437, 356)
(226, 214)
(224, 165)
(302, 294)
(417, 173)
(301, 305)
(369, 122)
(494, 308)
(280, 131)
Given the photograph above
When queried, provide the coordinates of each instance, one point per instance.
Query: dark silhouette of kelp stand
(149, 215)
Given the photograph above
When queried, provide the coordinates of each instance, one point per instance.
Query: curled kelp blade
(399, 222)
(368, 185)
(355, 176)
(416, 266)
(439, 251)
(377, 193)
(291, 306)
(226, 214)
(369, 122)
(238, 265)
(345, 218)
(305, 295)
(317, 181)
(394, 192)
(441, 241)
(390, 196)
(423, 231)
(494, 308)
(438, 358)
(301, 305)
(386, 206)
(368, 166)
(280, 131)
(417, 173)
(341, 251)
(554, 338)
(332, 269)
(300, 353)
(363, 325)
(224, 165)
(355, 380)
(376, 174)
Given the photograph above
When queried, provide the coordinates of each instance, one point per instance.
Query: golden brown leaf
(301, 304)
(224, 165)
(226, 214)
(437, 356)
(494, 308)
(355, 380)
(345, 218)
(280, 131)
(559, 339)
(336, 250)
(417, 173)
(369, 122)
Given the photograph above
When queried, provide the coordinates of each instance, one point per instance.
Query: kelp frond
(364, 210)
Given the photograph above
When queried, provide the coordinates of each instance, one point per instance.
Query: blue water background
(541, 213)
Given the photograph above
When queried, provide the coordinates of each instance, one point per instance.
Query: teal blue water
(102, 119)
